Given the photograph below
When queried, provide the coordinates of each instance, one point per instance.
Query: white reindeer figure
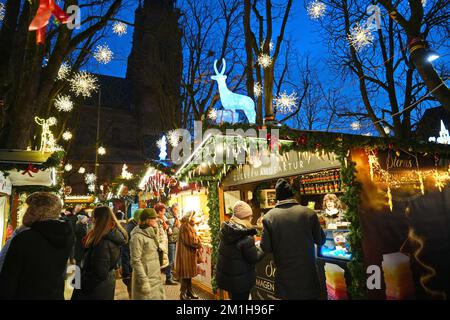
(232, 101)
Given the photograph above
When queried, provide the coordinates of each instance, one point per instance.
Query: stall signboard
(405, 220)
(264, 288)
(32, 177)
(5, 184)
(291, 163)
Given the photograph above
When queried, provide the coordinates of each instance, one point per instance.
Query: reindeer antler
(224, 65)
(215, 67)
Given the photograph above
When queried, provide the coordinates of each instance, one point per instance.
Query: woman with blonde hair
(102, 243)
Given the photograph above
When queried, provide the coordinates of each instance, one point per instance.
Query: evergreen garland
(214, 224)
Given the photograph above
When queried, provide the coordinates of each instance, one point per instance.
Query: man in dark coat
(36, 259)
(290, 232)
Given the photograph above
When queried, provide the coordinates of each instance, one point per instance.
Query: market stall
(371, 194)
(22, 173)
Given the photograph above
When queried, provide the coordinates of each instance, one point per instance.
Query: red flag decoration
(40, 21)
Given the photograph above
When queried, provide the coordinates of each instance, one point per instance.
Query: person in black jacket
(36, 258)
(238, 255)
(102, 243)
(125, 251)
(290, 232)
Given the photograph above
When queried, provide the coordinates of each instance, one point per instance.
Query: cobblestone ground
(172, 292)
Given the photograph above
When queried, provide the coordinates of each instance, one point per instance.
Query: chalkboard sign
(265, 280)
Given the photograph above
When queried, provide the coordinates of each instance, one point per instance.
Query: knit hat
(42, 206)
(148, 214)
(283, 190)
(136, 214)
(242, 210)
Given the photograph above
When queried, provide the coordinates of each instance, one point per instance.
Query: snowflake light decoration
(101, 151)
(90, 178)
(257, 89)
(174, 138)
(91, 187)
(286, 103)
(68, 167)
(212, 114)
(63, 103)
(82, 170)
(355, 125)
(270, 46)
(2, 11)
(83, 84)
(103, 54)
(52, 121)
(63, 71)
(119, 28)
(360, 37)
(316, 9)
(67, 135)
(265, 60)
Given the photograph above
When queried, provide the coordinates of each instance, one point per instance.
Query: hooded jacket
(35, 262)
(98, 280)
(290, 232)
(146, 278)
(238, 255)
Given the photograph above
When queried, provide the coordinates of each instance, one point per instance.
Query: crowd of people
(155, 241)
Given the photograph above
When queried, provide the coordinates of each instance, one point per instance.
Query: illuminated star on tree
(316, 9)
(286, 103)
(257, 89)
(212, 114)
(103, 54)
(173, 137)
(119, 28)
(63, 103)
(264, 60)
(67, 135)
(360, 37)
(63, 71)
(355, 125)
(83, 84)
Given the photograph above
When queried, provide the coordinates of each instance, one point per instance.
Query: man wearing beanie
(125, 251)
(289, 233)
(238, 255)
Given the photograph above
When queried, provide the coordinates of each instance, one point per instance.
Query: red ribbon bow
(40, 21)
(30, 170)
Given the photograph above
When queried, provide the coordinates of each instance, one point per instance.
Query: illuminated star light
(63, 71)
(67, 135)
(286, 103)
(83, 84)
(316, 9)
(270, 46)
(355, 125)
(68, 167)
(63, 103)
(91, 187)
(119, 28)
(103, 54)
(2, 11)
(360, 37)
(257, 89)
(264, 60)
(212, 114)
(101, 151)
(82, 170)
(90, 178)
(174, 138)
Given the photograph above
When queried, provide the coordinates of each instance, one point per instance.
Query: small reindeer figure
(232, 101)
